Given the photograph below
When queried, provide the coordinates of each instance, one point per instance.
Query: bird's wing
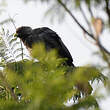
(52, 41)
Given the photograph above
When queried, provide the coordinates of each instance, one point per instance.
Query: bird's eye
(15, 34)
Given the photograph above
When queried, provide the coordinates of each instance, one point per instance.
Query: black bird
(50, 39)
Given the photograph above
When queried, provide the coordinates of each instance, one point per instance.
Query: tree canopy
(47, 84)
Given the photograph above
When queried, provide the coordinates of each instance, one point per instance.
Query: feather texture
(50, 39)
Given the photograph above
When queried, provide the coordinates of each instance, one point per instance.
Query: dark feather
(48, 37)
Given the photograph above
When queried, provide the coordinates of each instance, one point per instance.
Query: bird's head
(23, 32)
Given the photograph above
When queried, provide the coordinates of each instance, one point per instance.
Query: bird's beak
(15, 35)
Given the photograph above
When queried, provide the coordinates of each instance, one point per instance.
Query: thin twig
(107, 9)
(91, 35)
(89, 25)
(104, 55)
(89, 8)
(21, 49)
(69, 12)
(94, 43)
(15, 29)
(102, 48)
(12, 21)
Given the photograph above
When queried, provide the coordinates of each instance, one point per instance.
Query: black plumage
(50, 38)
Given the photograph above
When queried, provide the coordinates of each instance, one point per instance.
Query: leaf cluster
(47, 83)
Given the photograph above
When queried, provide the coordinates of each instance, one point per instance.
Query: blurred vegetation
(3, 4)
(47, 84)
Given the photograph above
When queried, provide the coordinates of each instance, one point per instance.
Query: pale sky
(81, 50)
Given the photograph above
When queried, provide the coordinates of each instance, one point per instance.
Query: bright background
(32, 14)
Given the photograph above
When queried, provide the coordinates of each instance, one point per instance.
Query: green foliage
(46, 84)
(10, 48)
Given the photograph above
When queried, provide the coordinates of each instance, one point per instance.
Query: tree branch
(107, 9)
(69, 12)
(86, 19)
(89, 8)
(21, 49)
(91, 35)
